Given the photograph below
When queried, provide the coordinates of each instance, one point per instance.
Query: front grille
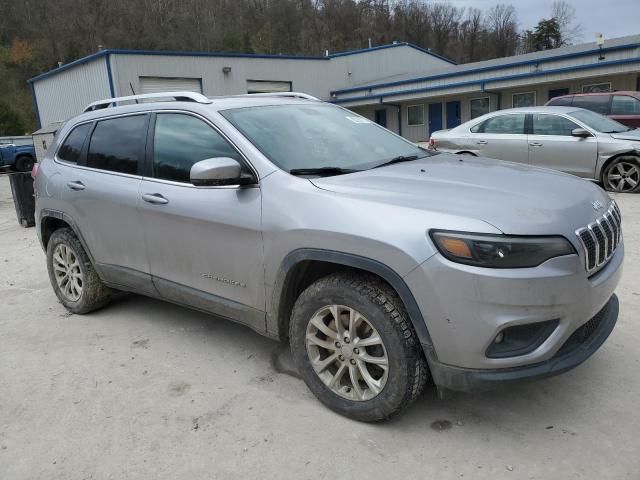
(601, 238)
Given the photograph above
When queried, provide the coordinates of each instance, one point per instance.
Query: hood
(630, 135)
(516, 199)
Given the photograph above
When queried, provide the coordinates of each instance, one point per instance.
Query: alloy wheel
(68, 273)
(347, 352)
(623, 177)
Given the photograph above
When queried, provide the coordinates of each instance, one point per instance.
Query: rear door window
(625, 105)
(595, 103)
(117, 144)
(505, 124)
(71, 149)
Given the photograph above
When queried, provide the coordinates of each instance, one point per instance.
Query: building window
(525, 99)
(597, 87)
(415, 115)
(558, 92)
(479, 106)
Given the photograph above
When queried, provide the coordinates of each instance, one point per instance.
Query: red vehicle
(623, 107)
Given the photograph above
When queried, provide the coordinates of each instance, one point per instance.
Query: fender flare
(350, 260)
(49, 213)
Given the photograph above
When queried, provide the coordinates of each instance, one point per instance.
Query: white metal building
(65, 91)
(406, 88)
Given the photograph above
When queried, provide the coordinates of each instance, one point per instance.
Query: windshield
(298, 137)
(598, 122)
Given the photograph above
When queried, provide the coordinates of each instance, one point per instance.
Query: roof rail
(177, 96)
(282, 94)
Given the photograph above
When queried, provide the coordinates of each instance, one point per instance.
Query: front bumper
(577, 348)
(466, 307)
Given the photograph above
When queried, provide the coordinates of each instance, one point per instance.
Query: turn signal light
(456, 247)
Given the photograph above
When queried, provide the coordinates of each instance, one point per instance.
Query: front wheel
(622, 175)
(355, 347)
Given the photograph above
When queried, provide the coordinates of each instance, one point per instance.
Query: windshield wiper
(619, 131)
(400, 159)
(322, 171)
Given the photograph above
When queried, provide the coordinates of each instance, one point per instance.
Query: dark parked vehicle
(623, 107)
(18, 154)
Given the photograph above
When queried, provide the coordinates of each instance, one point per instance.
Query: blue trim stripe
(486, 69)
(35, 106)
(67, 66)
(483, 82)
(110, 76)
(108, 52)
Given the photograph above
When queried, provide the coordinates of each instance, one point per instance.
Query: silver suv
(380, 263)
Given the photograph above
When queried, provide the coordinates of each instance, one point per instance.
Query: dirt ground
(148, 390)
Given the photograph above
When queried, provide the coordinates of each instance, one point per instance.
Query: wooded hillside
(37, 34)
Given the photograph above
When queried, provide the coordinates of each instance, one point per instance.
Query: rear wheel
(24, 164)
(72, 276)
(355, 347)
(622, 175)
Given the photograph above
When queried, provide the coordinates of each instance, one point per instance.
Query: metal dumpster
(23, 199)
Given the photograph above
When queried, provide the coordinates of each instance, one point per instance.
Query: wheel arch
(613, 158)
(52, 220)
(302, 267)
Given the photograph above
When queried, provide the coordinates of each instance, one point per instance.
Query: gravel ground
(145, 389)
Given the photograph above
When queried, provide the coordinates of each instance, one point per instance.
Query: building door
(267, 86)
(381, 117)
(453, 114)
(558, 92)
(166, 84)
(435, 117)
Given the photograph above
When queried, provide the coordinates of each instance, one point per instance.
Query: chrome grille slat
(601, 238)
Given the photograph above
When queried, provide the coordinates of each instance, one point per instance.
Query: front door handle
(482, 142)
(535, 144)
(76, 185)
(154, 198)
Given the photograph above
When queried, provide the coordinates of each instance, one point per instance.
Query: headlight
(499, 251)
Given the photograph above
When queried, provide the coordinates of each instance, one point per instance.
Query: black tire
(94, 294)
(383, 309)
(24, 163)
(630, 165)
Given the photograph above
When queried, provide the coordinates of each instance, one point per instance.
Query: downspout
(110, 76)
(498, 96)
(396, 105)
(35, 105)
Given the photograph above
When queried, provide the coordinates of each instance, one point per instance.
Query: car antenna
(132, 90)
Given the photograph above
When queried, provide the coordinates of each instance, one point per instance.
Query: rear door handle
(154, 198)
(535, 144)
(76, 185)
(482, 142)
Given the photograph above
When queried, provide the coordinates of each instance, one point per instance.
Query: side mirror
(580, 132)
(219, 171)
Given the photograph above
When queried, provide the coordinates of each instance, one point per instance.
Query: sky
(613, 18)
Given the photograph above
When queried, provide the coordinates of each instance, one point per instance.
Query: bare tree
(502, 26)
(565, 15)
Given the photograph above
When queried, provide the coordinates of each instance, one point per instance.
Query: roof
(550, 109)
(107, 52)
(51, 128)
(614, 44)
(216, 104)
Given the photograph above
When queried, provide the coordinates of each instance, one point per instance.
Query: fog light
(499, 337)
